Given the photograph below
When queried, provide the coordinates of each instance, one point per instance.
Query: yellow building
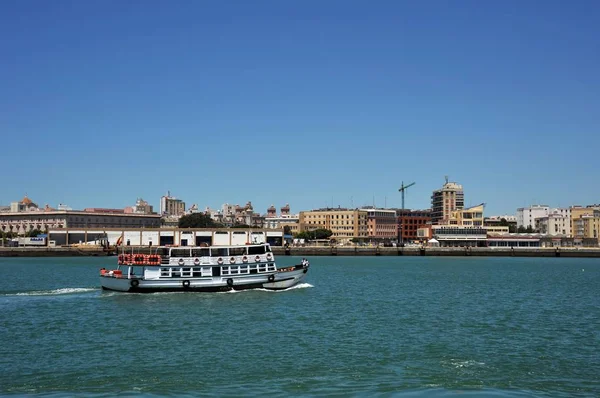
(578, 214)
(587, 226)
(469, 217)
(345, 224)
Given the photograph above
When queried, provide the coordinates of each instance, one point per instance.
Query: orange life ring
(121, 259)
(147, 259)
(138, 259)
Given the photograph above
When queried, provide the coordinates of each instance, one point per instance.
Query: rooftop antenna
(446, 177)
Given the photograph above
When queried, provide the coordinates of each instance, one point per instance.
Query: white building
(558, 222)
(280, 221)
(526, 215)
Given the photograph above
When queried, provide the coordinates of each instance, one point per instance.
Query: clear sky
(311, 103)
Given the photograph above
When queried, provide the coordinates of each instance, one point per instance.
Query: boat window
(204, 252)
(237, 251)
(256, 250)
(180, 252)
(162, 251)
(219, 252)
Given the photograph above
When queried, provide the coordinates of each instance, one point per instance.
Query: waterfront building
(582, 220)
(158, 236)
(23, 222)
(409, 222)
(446, 200)
(171, 206)
(513, 240)
(557, 222)
(459, 236)
(587, 226)
(382, 224)
(344, 223)
(469, 217)
(496, 229)
(526, 216)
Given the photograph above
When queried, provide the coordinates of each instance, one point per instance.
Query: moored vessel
(202, 269)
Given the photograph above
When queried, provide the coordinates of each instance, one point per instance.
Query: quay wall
(439, 251)
(309, 251)
(52, 252)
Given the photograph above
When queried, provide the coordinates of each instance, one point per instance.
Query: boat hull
(279, 280)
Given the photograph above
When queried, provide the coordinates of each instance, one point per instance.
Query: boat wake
(56, 292)
(298, 286)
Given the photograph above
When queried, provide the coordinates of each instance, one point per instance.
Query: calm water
(368, 326)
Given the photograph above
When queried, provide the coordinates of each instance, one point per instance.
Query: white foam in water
(66, 290)
(298, 286)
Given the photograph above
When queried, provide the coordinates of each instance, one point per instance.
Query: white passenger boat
(215, 268)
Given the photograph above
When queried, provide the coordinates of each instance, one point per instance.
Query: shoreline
(334, 251)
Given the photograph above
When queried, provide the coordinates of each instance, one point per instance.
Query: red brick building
(410, 221)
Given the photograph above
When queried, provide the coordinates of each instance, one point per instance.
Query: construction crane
(401, 190)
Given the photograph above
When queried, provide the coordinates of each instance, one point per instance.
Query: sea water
(357, 326)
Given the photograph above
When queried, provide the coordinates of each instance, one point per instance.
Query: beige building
(470, 217)
(578, 216)
(554, 224)
(23, 222)
(170, 206)
(382, 224)
(446, 200)
(345, 224)
(25, 216)
(587, 225)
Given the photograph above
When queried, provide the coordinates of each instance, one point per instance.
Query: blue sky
(311, 103)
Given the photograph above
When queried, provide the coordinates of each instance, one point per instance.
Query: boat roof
(210, 247)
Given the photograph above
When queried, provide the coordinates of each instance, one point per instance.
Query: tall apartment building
(171, 206)
(446, 200)
(345, 224)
